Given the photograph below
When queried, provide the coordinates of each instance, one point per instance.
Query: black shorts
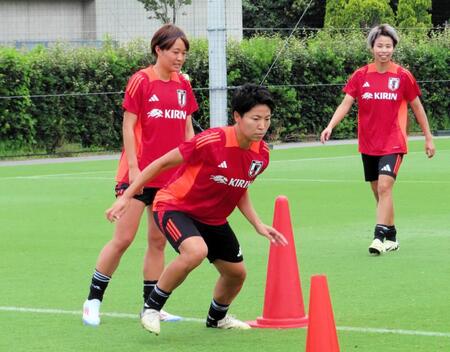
(375, 165)
(146, 197)
(220, 239)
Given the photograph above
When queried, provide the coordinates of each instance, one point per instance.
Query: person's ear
(236, 116)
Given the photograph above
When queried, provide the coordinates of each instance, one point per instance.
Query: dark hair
(385, 30)
(166, 36)
(247, 96)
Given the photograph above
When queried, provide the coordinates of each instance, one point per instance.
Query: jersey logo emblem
(181, 94)
(393, 83)
(155, 113)
(366, 85)
(367, 95)
(223, 165)
(153, 98)
(219, 179)
(255, 168)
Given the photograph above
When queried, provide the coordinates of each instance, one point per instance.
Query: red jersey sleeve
(196, 150)
(133, 93)
(352, 86)
(412, 89)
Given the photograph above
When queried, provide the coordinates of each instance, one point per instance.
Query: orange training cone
(322, 335)
(283, 300)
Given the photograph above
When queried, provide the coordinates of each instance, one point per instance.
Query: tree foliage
(164, 10)
(358, 13)
(334, 13)
(306, 82)
(414, 14)
(367, 13)
(265, 14)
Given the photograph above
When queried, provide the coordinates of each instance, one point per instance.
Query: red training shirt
(162, 109)
(382, 107)
(214, 176)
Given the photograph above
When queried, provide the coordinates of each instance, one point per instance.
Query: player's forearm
(167, 161)
(340, 113)
(246, 207)
(189, 128)
(338, 116)
(421, 117)
(129, 121)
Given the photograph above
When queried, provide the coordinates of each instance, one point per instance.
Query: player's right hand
(117, 209)
(326, 134)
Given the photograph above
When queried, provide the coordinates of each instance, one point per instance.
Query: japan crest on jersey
(393, 83)
(181, 94)
(255, 168)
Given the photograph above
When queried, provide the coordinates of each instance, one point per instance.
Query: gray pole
(217, 63)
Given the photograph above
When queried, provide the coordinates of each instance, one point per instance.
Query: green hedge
(306, 81)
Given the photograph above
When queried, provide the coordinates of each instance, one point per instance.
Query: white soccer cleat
(150, 320)
(376, 247)
(390, 246)
(91, 312)
(229, 322)
(165, 316)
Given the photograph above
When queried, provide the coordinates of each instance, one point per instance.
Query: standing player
(218, 166)
(158, 105)
(383, 89)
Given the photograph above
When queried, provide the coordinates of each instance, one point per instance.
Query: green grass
(52, 229)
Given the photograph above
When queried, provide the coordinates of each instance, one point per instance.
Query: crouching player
(217, 167)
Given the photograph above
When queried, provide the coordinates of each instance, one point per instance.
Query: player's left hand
(272, 234)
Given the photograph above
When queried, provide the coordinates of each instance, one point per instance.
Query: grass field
(52, 228)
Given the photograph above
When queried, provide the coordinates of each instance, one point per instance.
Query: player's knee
(121, 244)
(240, 275)
(236, 276)
(157, 241)
(194, 258)
(384, 189)
(193, 251)
(198, 256)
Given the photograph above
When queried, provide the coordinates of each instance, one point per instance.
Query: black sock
(157, 299)
(98, 285)
(149, 285)
(392, 233)
(216, 312)
(381, 231)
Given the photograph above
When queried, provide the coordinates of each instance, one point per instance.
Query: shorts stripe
(172, 230)
(171, 233)
(397, 164)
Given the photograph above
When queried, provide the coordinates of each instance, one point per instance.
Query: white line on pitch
(65, 175)
(275, 179)
(76, 312)
(343, 157)
(198, 320)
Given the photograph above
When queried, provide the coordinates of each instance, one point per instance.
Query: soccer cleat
(91, 312)
(150, 320)
(229, 322)
(165, 316)
(376, 247)
(390, 246)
